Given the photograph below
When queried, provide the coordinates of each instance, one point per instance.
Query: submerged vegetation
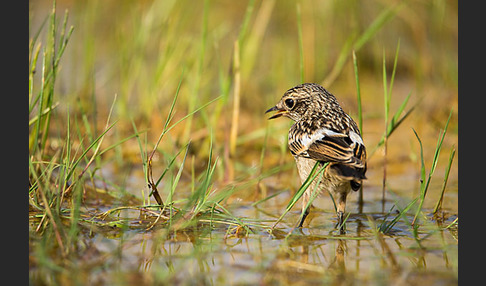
(150, 158)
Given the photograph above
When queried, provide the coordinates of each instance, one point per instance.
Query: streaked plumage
(323, 132)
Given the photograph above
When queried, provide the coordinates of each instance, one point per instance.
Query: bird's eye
(289, 102)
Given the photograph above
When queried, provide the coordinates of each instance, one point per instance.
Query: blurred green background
(141, 50)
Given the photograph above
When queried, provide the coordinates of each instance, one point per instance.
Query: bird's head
(302, 101)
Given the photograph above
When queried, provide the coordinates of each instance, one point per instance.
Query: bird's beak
(279, 112)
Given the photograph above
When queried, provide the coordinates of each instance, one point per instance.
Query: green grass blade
(353, 43)
(444, 183)
(358, 94)
(238, 220)
(439, 145)
(314, 194)
(385, 92)
(392, 79)
(198, 199)
(386, 227)
(395, 121)
(191, 113)
(360, 118)
(425, 184)
(313, 174)
(246, 20)
(394, 124)
(178, 176)
(301, 41)
(172, 161)
(268, 198)
(422, 163)
(42, 113)
(375, 26)
(96, 141)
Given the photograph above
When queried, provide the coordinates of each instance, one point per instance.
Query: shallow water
(215, 253)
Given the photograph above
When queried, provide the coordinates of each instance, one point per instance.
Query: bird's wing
(326, 145)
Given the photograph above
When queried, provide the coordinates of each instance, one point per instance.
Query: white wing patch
(355, 137)
(308, 140)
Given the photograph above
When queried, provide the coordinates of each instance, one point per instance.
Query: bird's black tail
(355, 175)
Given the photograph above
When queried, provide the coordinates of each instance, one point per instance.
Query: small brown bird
(322, 133)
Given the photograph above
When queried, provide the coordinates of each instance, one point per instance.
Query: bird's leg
(340, 224)
(305, 201)
(306, 213)
(341, 209)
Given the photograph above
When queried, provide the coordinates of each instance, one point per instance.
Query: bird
(323, 133)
